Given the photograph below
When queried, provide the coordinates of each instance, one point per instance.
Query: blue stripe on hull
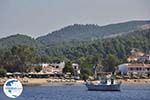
(112, 87)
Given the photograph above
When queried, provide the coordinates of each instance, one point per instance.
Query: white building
(144, 58)
(76, 70)
(53, 68)
(131, 68)
(123, 68)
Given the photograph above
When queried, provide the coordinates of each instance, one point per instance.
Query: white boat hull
(103, 87)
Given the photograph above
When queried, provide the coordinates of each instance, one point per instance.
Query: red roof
(139, 65)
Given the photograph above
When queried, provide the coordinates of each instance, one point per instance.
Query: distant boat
(104, 85)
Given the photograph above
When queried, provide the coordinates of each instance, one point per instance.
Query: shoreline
(55, 82)
(134, 81)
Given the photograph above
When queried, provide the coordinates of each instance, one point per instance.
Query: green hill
(18, 39)
(84, 44)
(119, 46)
(78, 32)
(77, 41)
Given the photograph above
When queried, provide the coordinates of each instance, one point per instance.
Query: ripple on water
(128, 92)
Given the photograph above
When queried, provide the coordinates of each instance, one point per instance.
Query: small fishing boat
(104, 84)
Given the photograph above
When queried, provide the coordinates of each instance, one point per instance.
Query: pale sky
(39, 17)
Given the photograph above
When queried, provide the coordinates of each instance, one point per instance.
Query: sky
(40, 17)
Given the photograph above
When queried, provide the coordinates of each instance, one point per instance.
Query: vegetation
(68, 68)
(89, 32)
(85, 73)
(2, 72)
(112, 50)
(77, 44)
(110, 63)
(18, 39)
(37, 68)
(18, 58)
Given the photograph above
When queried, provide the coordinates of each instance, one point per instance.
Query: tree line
(107, 53)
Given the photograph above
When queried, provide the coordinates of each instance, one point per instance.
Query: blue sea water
(80, 92)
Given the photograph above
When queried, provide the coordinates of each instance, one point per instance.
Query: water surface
(80, 92)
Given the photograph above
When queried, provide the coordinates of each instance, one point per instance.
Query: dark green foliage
(18, 58)
(38, 68)
(85, 73)
(110, 63)
(18, 39)
(2, 72)
(110, 52)
(68, 68)
(84, 44)
(89, 53)
(84, 76)
(90, 32)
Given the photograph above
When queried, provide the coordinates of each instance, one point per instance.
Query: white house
(53, 68)
(144, 58)
(76, 70)
(131, 68)
(123, 68)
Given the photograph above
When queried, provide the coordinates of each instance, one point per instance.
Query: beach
(134, 81)
(52, 81)
(44, 81)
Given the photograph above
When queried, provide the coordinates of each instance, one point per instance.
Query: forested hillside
(73, 47)
(98, 50)
(19, 39)
(78, 32)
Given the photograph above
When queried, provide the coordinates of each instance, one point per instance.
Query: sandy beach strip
(52, 81)
(44, 81)
(134, 81)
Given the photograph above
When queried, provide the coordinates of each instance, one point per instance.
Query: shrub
(2, 72)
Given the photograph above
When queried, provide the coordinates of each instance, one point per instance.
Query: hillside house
(54, 68)
(134, 68)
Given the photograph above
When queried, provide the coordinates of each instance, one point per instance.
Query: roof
(139, 65)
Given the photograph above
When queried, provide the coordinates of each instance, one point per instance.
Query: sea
(80, 92)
